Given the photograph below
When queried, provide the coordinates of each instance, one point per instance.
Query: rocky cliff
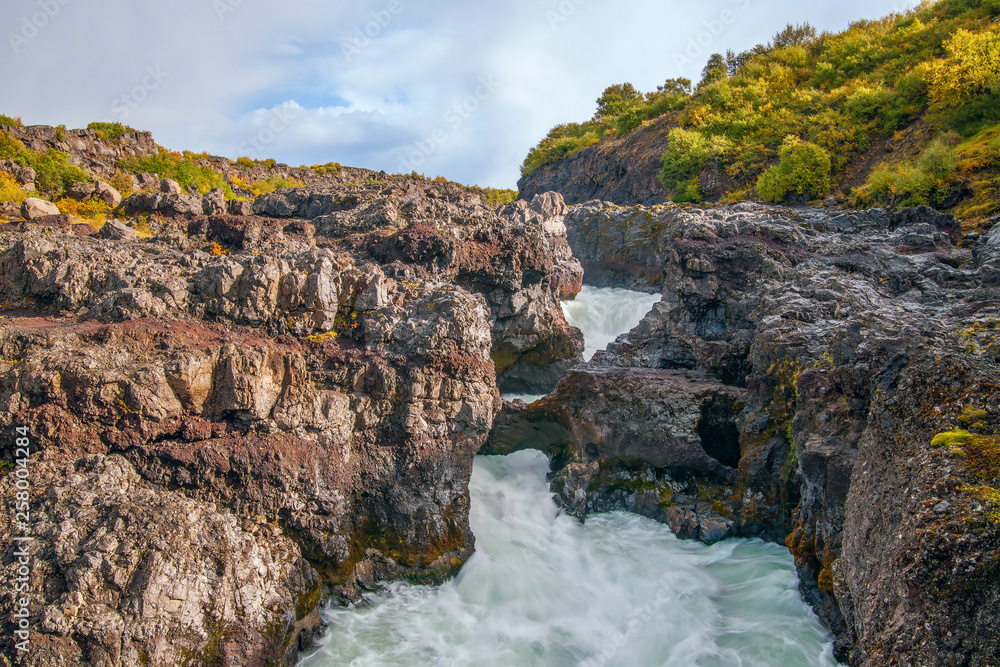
(619, 169)
(791, 385)
(233, 416)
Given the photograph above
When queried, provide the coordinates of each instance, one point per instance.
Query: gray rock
(240, 208)
(214, 203)
(37, 208)
(148, 182)
(117, 231)
(181, 204)
(81, 191)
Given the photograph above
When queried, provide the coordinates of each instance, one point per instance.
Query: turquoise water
(544, 589)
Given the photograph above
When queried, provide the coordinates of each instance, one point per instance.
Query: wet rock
(853, 338)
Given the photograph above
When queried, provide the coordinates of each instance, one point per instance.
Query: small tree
(804, 169)
(794, 35)
(679, 86)
(616, 100)
(715, 69)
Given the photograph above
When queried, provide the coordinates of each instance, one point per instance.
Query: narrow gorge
(245, 417)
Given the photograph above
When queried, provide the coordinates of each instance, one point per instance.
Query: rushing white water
(545, 590)
(603, 314)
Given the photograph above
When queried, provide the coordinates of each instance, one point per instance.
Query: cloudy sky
(450, 88)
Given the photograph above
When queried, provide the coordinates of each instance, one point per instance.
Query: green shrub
(185, 170)
(497, 196)
(930, 181)
(11, 190)
(8, 120)
(804, 170)
(110, 131)
(272, 183)
(331, 168)
(689, 153)
(11, 148)
(55, 174)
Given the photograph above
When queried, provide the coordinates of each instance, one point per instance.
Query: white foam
(603, 314)
(544, 590)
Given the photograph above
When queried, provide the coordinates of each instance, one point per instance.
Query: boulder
(181, 204)
(36, 208)
(170, 187)
(108, 194)
(117, 231)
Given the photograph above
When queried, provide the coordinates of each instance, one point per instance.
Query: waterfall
(544, 590)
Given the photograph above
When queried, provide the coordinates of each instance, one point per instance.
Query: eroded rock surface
(304, 397)
(843, 344)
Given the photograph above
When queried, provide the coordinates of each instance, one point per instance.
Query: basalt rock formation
(233, 416)
(793, 384)
(620, 169)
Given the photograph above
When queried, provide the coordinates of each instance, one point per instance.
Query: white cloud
(387, 97)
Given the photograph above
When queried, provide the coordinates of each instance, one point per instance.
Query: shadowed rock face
(292, 412)
(833, 348)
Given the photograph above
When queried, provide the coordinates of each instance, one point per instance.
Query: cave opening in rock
(720, 437)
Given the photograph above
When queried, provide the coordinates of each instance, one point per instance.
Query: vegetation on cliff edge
(904, 109)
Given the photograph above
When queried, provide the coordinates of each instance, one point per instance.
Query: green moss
(951, 438)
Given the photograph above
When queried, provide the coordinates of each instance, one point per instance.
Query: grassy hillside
(900, 111)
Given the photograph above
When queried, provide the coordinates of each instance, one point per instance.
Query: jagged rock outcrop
(850, 340)
(292, 396)
(647, 441)
(516, 256)
(86, 148)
